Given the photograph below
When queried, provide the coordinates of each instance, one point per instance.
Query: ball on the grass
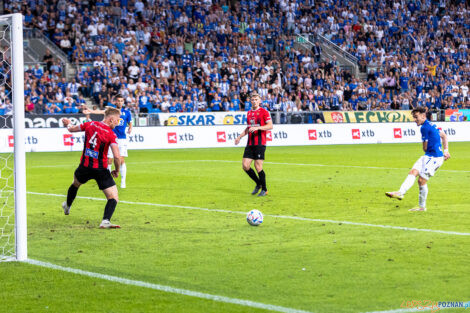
(254, 217)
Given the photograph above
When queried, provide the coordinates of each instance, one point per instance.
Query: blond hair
(254, 94)
(111, 111)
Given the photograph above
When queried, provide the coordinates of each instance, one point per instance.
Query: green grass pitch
(299, 264)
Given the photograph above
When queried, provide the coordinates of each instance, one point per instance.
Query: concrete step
(362, 76)
(89, 102)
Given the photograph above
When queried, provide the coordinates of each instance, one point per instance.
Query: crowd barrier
(59, 139)
(457, 115)
(239, 118)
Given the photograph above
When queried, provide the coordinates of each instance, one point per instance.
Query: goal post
(13, 241)
(17, 69)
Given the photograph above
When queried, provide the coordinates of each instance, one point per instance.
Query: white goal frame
(15, 23)
(21, 235)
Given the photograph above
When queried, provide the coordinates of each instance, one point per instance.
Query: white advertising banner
(203, 119)
(59, 139)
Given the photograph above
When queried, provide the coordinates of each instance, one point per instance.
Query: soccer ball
(254, 217)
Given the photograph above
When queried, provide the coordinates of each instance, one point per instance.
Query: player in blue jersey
(120, 131)
(429, 163)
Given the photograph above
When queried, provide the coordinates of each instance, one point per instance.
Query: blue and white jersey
(430, 133)
(124, 119)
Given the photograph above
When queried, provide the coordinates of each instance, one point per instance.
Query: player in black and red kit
(99, 137)
(259, 121)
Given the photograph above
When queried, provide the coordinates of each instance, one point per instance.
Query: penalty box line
(168, 289)
(298, 218)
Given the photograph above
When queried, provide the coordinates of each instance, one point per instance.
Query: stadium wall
(59, 139)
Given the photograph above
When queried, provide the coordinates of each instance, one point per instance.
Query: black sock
(262, 179)
(71, 194)
(253, 176)
(109, 209)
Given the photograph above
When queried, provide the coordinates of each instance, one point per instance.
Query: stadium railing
(280, 117)
(227, 118)
(347, 61)
(38, 43)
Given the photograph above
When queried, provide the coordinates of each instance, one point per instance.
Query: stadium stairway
(38, 43)
(346, 60)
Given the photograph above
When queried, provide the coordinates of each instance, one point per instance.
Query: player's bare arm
(71, 128)
(89, 111)
(243, 134)
(268, 126)
(129, 129)
(116, 159)
(445, 145)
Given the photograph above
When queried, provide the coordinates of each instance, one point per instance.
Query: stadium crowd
(187, 56)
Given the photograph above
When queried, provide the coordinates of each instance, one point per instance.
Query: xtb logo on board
(172, 138)
(28, 140)
(221, 137)
(68, 140)
(276, 135)
(397, 133)
(312, 134)
(400, 133)
(357, 133)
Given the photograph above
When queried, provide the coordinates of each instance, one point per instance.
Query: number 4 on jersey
(93, 140)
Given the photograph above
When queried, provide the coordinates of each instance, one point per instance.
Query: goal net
(13, 244)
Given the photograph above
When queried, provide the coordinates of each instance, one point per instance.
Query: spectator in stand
(216, 104)
(28, 105)
(47, 58)
(227, 50)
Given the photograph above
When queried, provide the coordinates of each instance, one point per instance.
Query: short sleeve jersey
(98, 138)
(254, 118)
(124, 120)
(430, 133)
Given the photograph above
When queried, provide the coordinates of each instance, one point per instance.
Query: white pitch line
(196, 294)
(298, 218)
(407, 310)
(169, 289)
(435, 309)
(359, 166)
(403, 310)
(272, 163)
